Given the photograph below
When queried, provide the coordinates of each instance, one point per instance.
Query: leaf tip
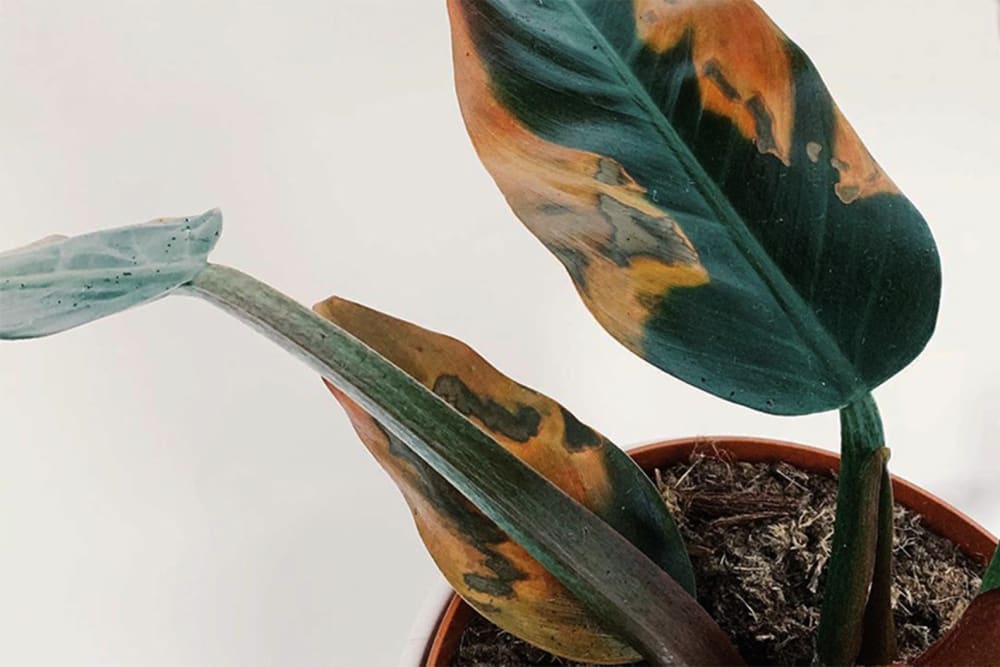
(206, 226)
(60, 283)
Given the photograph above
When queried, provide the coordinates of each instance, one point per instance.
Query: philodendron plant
(717, 215)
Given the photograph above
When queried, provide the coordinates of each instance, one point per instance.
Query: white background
(175, 490)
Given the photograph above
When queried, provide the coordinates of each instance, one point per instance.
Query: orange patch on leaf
(583, 206)
(519, 594)
(860, 175)
(745, 75)
(741, 59)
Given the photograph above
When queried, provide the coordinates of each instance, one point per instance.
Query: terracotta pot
(937, 515)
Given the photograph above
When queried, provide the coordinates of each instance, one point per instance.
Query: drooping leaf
(973, 642)
(627, 591)
(481, 562)
(715, 210)
(60, 283)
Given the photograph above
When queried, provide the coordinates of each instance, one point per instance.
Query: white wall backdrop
(176, 490)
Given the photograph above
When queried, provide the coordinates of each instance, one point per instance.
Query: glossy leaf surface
(481, 562)
(716, 212)
(60, 283)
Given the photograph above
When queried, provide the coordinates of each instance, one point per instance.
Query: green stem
(878, 642)
(856, 610)
(629, 593)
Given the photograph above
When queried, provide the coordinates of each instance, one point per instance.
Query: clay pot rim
(939, 516)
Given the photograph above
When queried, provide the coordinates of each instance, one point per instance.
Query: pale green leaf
(60, 283)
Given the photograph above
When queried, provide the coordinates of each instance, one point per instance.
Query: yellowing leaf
(488, 569)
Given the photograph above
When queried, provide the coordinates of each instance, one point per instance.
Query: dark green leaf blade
(61, 283)
(715, 210)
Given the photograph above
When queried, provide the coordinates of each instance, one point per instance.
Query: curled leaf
(493, 573)
(716, 212)
(59, 283)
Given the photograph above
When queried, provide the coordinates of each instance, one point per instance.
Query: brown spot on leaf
(578, 436)
(848, 193)
(499, 573)
(574, 260)
(814, 150)
(763, 124)
(713, 72)
(520, 425)
(610, 172)
(636, 233)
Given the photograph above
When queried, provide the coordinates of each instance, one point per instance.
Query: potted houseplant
(718, 216)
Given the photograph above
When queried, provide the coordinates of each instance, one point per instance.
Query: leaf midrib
(803, 318)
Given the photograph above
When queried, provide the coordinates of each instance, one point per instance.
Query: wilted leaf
(60, 283)
(715, 210)
(481, 562)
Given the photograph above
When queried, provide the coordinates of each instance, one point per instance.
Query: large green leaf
(60, 283)
(495, 575)
(715, 210)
